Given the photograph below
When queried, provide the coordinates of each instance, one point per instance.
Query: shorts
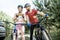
(20, 27)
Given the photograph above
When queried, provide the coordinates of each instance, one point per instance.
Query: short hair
(20, 6)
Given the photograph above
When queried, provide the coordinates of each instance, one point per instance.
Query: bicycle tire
(39, 35)
(46, 35)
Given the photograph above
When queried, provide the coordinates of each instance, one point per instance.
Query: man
(19, 19)
(33, 19)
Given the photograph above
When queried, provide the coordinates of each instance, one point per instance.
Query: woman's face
(20, 9)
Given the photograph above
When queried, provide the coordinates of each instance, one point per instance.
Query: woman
(19, 19)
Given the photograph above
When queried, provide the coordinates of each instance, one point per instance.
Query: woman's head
(20, 8)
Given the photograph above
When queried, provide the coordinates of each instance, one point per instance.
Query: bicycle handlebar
(43, 19)
(20, 24)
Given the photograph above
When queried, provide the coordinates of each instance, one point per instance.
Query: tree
(5, 17)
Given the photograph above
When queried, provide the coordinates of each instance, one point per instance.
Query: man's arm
(40, 13)
(27, 21)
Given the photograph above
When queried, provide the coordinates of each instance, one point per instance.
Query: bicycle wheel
(45, 35)
(42, 35)
(38, 35)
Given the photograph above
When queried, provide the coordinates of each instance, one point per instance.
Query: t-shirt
(32, 16)
(19, 17)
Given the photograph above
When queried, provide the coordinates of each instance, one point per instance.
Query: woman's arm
(15, 17)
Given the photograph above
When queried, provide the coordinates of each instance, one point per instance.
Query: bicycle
(14, 33)
(42, 34)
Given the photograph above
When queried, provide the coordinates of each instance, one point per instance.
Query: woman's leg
(14, 34)
(23, 33)
(18, 31)
(18, 34)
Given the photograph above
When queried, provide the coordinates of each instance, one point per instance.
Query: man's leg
(31, 32)
(42, 28)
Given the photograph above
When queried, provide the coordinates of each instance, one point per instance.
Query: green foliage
(5, 17)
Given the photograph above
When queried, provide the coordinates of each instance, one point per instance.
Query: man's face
(28, 8)
(20, 9)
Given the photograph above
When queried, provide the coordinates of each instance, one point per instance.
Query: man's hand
(46, 15)
(41, 13)
(28, 24)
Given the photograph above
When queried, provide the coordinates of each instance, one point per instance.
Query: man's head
(27, 6)
(20, 8)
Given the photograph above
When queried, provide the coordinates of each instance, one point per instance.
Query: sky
(10, 6)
